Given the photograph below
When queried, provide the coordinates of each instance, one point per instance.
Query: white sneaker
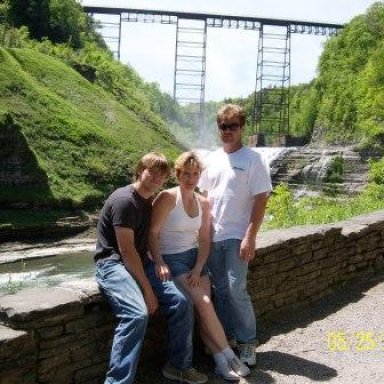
(225, 371)
(239, 367)
(248, 354)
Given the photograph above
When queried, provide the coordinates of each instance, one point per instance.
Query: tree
(34, 14)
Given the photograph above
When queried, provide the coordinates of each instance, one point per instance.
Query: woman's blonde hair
(188, 159)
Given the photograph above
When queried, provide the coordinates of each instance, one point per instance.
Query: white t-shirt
(232, 180)
(179, 232)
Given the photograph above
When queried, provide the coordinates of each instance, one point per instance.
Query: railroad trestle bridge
(273, 69)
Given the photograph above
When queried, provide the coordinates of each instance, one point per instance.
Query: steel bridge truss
(273, 72)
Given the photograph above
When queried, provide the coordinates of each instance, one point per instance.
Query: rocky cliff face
(19, 172)
(343, 169)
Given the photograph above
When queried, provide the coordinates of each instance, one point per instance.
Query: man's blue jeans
(229, 281)
(126, 300)
(176, 305)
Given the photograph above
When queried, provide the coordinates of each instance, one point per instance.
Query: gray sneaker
(239, 367)
(248, 354)
(189, 375)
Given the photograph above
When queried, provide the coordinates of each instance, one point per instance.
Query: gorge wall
(63, 334)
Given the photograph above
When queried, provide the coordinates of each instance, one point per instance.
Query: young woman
(179, 241)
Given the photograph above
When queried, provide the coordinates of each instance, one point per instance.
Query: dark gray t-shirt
(123, 208)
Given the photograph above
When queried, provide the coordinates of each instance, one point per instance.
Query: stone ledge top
(7, 334)
(31, 303)
(87, 289)
(353, 226)
(278, 236)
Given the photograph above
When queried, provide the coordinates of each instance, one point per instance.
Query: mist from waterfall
(268, 154)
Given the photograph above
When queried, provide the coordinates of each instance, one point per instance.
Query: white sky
(231, 54)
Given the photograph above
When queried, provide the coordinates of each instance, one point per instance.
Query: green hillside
(65, 141)
(351, 79)
(344, 104)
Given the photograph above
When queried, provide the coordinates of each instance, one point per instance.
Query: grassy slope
(84, 141)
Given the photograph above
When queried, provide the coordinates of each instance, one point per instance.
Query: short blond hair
(231, 111)
(188, 159)
(153, 161)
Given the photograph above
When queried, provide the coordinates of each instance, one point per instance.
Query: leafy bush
(335, 170)
(282, 210)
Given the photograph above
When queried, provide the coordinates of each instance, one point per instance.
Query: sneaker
(239, 367)
(188, 375)
(248, 354)
(226, 372)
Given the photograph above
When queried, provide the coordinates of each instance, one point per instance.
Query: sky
(231, 54)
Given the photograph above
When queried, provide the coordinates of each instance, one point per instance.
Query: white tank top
(180, 231)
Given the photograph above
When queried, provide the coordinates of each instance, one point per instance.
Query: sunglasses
(231, 127)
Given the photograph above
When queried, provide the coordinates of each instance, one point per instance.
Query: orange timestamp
(356, 341)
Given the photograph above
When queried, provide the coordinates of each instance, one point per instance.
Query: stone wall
(63, 334)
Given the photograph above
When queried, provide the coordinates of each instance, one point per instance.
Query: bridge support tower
(273, 74)
(190, 68)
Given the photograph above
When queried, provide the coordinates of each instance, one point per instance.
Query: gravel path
(339, 340)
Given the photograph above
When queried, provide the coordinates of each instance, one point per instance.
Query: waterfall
(272, 156)
(307, 169)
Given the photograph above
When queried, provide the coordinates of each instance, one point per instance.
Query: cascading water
(307, 169)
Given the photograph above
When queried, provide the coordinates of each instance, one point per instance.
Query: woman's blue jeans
(126, 300)
(229, 281)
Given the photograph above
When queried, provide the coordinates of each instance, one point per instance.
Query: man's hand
(247, 249)
(151, 301)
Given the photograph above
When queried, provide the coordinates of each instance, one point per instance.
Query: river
(45, 271)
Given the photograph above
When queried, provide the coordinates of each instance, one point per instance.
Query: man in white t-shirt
(237, 184)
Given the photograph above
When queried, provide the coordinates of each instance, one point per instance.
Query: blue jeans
(126, 300)
(229, 282)
(176, 305)
(183, 262)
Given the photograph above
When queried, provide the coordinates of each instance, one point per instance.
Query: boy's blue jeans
(126, 300)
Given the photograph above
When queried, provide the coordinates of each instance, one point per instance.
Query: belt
(112, 257)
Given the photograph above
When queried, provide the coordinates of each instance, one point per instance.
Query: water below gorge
(45, 271)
